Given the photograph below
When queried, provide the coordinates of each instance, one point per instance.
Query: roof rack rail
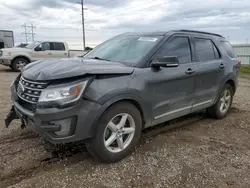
(202, 32)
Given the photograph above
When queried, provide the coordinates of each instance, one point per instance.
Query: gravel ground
(203, 153)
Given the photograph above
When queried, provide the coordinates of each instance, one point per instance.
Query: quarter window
(229, 49)
(179, 47)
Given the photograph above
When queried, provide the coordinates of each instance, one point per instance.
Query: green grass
(245, 69)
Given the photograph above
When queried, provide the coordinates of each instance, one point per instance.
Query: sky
(60, 20)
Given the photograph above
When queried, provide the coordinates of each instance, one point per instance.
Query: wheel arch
(124, 98)
(232, 83)
(229, 80)
(21, 56)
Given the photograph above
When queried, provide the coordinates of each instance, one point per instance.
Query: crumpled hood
(52, 69)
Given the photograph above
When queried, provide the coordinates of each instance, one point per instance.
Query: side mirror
(166, 61)
(38, 49)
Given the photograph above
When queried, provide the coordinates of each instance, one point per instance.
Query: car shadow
(6, 69)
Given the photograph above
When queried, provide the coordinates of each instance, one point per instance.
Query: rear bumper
(6, 62)
(77, 120)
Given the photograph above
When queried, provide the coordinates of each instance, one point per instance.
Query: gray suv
(126, 84)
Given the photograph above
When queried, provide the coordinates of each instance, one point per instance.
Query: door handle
(190, 71)
(222, 66)
(49, 53)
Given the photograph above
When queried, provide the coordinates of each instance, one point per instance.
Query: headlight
(63, 94)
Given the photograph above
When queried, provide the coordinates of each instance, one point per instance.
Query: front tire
(117, 133)
(18, 64)
(224, 102)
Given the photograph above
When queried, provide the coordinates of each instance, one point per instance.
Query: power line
(118, 10)
(28, 32)
(59, 13)
(136, 10)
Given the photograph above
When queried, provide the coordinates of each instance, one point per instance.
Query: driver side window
(177, 46)
(45, 46)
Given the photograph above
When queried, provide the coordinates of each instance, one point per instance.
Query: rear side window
(179, 47)
(58, 46)
(229, 49)
(205, 50)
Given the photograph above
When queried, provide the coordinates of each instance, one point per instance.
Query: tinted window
(179, 47)
(204, 49)
(229, 49)
(58, 46)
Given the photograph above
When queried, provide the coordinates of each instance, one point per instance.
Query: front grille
(30, 91)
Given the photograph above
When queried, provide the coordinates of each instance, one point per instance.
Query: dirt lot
(203, 153)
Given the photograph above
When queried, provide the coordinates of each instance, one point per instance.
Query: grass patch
(245, 69)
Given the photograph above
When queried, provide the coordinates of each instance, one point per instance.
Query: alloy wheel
(119, 132)
(225, 101)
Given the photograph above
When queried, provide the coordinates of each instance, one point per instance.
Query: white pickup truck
(17, 58)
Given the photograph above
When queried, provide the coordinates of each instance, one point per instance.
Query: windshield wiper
(100, 58)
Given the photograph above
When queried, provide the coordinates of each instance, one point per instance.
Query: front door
(45, 51)
(209, 72)
(172, 89)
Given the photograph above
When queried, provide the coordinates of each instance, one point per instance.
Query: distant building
(6, 39)
(243, 53)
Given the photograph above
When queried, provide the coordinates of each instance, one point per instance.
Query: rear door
(209, 72)
(59, 50)
(172, 89)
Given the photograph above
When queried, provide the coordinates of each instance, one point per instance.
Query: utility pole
(83, 28)
(28, 32)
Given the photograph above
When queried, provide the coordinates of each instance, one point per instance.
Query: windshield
(32, 45)
(125, 49)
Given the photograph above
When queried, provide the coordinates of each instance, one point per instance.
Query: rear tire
(223, 104)
(112, 143)
(18, 64)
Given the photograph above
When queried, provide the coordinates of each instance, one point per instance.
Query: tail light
(239, 62)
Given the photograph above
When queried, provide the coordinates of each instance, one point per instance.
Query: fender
(144, 108)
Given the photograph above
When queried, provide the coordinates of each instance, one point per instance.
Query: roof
(163, 33)
(6, 31)
(197, 32)
(153, 33)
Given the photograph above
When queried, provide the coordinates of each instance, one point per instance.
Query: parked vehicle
(126, 84)
(6, 39)
(17, 58)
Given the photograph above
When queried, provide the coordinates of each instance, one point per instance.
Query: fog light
(65, 126)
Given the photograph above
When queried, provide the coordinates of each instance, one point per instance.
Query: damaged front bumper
(57, 125)
(12, 115)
